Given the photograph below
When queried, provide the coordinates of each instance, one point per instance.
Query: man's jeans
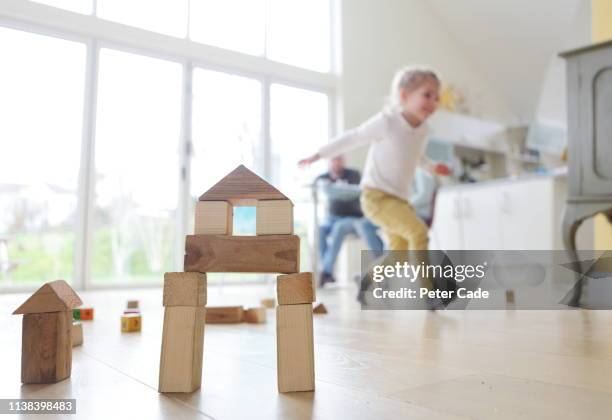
(333, 232)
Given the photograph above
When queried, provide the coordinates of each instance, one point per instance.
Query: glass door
(42, 83)
(136, 168)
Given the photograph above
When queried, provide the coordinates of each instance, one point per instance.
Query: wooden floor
(369, 364)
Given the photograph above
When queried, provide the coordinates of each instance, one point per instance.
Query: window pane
(137, 143)
(164, 16)
(80, 6)
(226, 127)
(299, 33)
(299, 124)
(42, 109)
(232, 24)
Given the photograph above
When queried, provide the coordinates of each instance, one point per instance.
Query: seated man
(341, 186)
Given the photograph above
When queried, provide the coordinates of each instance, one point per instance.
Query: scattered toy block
(55, 296)
(319, 309)
(269, 303)
(131, 322)
(213, 218)
(224, 314)
(292, 289)
(180, 367)
(133, 304)
(274, 217)
(131, 311)
(185, 289)
(46, 343)
(242, 187)
(77, 333)
(83, 314)
(294, 348)
(46, 347)
(254, 315)
(242, 254)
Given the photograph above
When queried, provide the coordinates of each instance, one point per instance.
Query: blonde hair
(409, 78)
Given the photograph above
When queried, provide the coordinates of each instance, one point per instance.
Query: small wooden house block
(77, 333)
(294, 348)
(255, 315)
(292, 289)
(46, 345)
(274, 217)
(180, 367)
(213, 218)
(185, 289)
(131, 322)
(224, 314)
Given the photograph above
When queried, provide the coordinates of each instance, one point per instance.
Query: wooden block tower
(46, 344)
(213, 249)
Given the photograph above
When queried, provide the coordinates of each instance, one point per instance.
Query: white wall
(552, 102)
(381, 36)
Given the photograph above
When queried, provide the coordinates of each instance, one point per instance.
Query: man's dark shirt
(344, 207)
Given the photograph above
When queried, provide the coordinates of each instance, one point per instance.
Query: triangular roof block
(54, 296)
(242, 187)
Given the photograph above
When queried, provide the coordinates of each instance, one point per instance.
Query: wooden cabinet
(589, 78)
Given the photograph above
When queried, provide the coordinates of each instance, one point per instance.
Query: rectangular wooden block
(242, 254)
(294, 348)
(77, 333)
(132, 304)
(131, 322)
(180, 368)
(292, 289)
(255, 315)
(268, 303)
(213, 218)
(224, 314)
(185, 289)
(274, 217)
(46, 347)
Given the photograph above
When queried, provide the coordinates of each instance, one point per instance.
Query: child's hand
(309, 160)
(441, 169)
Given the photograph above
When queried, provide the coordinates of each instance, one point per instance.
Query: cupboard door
(480, 216)
(526, 215)
(594, 131)
(446, 229)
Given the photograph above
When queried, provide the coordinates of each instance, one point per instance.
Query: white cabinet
(446, 232)
(516, 215)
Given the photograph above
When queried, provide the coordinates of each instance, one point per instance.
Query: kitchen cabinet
(519, 214)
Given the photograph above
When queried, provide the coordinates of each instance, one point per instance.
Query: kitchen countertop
(558, 173)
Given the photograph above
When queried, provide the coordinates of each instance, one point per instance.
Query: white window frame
(97, 33)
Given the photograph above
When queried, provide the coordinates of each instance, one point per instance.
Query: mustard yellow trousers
(405, 230)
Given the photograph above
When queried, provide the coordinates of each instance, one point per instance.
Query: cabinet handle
(465, 209)
(456, 208)
(505, 203)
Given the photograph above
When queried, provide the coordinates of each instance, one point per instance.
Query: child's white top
(397, 148)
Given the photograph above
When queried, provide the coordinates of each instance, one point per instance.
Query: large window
(111, 133)
(164, 16)
(42, 81)
(299, 125)
(136, 164)
(237, 25)
(295, 32)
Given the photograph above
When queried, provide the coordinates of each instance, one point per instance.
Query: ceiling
(512, 42)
